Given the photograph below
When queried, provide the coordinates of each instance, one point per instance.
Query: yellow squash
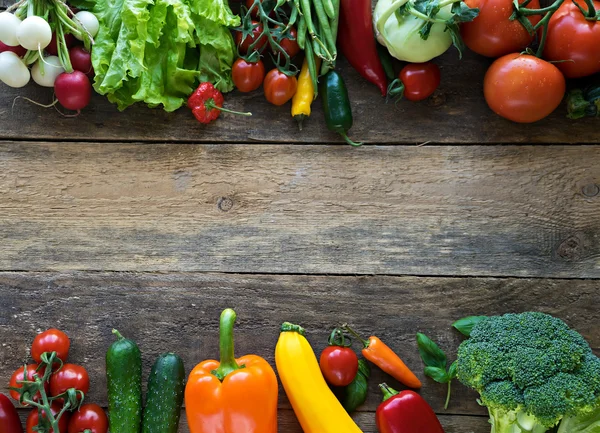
(315, 406)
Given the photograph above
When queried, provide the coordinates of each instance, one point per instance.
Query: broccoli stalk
(586, 422)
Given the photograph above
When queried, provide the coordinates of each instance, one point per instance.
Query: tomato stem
(353, 332)
(210, 104)
(547, 12)
(590, 14)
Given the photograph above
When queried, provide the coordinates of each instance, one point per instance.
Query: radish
(9, 24)
(18, 50)
(81, 60)
(52, 48)
(73, 90)
(34, 33)
(52, 68)
(89, 21)
(13, 71)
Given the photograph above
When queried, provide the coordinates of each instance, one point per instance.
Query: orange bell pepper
(234, 395)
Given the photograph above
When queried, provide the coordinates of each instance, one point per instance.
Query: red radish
(81, 60)
(52, 49)
(18, 50)
(73, 90)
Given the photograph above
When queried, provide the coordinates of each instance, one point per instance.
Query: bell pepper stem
(387, 391)
(353, 332)
(226, 345)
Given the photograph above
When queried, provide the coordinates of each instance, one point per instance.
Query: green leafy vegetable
(466, 324)
(435, 361)
(355, 394)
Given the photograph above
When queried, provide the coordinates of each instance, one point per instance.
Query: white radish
(89, 21)
(13, 71)
(52, 68)
(8, 29)
(34, 33)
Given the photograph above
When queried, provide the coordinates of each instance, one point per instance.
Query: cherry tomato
(88, 417)
(52, 48)
(420, 80)
(572, 37)
(244, 44)
(9, 417)
(279, 88)
(247, 76)
(51, 340)
(69, 376)
(339, 365)
(290, 46)
(492, 33)
(17, 376)
(63, 422)
(523, 88)
(18, 50)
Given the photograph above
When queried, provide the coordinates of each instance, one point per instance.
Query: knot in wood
(224, 204)
(571, 248)
(590, 190)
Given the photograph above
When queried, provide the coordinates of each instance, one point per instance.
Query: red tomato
(492, 33)
(17, 376)
(32, 419)
(244, 44)
(523, 88)
(51, 340)
(88, 417)
(52, 48)
(290, 46)
(572, 37)
(247, 76)
(339, 365)
(69, 376)
(9, 418)
(420, 80)
(18, 50)
(279, 88)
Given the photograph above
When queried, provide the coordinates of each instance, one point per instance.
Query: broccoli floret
(532, 372)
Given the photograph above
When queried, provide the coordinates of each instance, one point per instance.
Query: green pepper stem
(387, 391)
(226, 345)
(448, 395)
(353, 332)
(347, 139)
(118, 334)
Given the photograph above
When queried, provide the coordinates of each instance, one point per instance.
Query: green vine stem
(547, 12)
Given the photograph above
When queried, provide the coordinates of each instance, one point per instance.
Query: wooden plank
(179, 312)
(458, 114)
(470, 210)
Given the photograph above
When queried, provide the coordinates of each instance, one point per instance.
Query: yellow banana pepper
(305, 94)
(314, 404)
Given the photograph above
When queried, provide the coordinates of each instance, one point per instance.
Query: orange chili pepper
(383, 357)
(234, 395)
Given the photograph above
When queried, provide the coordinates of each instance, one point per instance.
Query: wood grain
(465, 210)
(179, 312)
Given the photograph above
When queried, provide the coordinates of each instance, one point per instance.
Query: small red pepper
(405, 412)
(356, 40)
(206, 103)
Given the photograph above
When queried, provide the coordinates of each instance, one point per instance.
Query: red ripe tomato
(245, 43)
(290, 46)
(89, 417)
(523, 88)
(9, 417)
(32, 419)
(420, 80)
(18, 50)
(69, 376)
(572, 37)
(339, 365)
(18, 375)
(247, 76)
(279, 88)
(492, 33)
(51, 340)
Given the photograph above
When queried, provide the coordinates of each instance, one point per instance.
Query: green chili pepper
(338, 113)
(386, 62)
(355, 394)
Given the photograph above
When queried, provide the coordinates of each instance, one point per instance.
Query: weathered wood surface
(433, 210)
(179, 312)
(458, 114)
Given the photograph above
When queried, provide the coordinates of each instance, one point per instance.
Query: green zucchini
(124, 383)
(164, 397)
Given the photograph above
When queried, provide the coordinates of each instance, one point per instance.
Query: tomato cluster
(63, 383)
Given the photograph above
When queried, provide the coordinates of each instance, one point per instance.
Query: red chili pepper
(357, 41)
(405, 412)
(206, 103)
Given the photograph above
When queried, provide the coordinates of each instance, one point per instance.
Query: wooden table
(152, 224)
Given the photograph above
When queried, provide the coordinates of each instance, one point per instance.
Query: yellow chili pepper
(316, 407)
(305, 94)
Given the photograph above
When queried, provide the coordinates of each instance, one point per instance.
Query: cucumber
(124, 383)
(164, 397)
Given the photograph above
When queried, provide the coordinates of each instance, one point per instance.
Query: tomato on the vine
(247, 76)
(33, 418)
(290, 45)
(492, 33)
(69, 376)
(279, 87)
(18, 376)
(573, 40)
(52, 340)
(244, 43)
(89, 417)
(339, 365)
(420, 80)
(523, 88)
